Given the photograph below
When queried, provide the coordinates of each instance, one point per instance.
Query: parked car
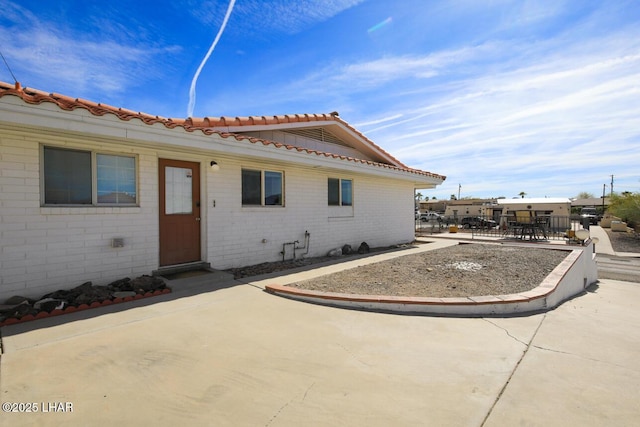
(477, 222)
(591, 214)
(430, 216)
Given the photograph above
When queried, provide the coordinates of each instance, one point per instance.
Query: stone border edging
(523, 302)
(81, 307)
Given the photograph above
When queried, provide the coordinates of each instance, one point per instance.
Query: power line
(8, 68)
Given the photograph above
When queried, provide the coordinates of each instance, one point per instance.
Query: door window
(177, 187)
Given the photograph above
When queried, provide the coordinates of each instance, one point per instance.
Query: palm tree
(522, 194)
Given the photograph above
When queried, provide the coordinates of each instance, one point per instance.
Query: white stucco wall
(43, 249)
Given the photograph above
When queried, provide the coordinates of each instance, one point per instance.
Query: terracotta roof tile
(206, 125)
(295, 118)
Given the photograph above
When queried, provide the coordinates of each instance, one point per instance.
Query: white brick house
(93, 192)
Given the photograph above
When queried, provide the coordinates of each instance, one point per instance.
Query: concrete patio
(233, 355)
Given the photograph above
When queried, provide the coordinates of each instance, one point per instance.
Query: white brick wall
(47, 248)
(235, 234)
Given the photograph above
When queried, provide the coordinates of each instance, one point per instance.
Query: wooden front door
(179, 212)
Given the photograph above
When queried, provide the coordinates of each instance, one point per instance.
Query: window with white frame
(262, 188)
(340, 192)
(78, 177)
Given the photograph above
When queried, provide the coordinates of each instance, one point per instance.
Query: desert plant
(627, 207)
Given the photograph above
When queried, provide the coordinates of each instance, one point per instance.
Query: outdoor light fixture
(214, 166)
(582, 235)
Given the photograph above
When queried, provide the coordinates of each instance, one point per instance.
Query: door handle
(197, 219)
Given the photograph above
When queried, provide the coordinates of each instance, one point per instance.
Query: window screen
(251, 187)
(67, 177)
(255, 193)
(340, 192)
(116, 179)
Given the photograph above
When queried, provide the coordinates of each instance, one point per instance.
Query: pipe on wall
(294, 244)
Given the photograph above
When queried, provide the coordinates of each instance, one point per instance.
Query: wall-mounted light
(214, 166)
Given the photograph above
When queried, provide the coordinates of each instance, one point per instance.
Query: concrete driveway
(241, 357)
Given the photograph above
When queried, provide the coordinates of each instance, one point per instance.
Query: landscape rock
(335, 252)
(364, 248)
(347, 249)
(21, 310)
(7, 308)
(15, 300)
(91, 294)
(124, 294)
(85, 287)
(147, 284)
(84, 294)
(121, 285)
(62, 294)
(272, 267)
(49, 304)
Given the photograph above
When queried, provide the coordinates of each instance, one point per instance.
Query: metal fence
(549, 227)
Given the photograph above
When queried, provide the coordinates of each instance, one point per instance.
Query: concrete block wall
(239, 236)
(43, 249)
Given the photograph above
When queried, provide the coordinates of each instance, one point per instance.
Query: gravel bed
(456, 271)
(623, 242)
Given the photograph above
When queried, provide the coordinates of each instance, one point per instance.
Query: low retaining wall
(570, 278)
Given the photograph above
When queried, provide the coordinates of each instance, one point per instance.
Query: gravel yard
(623, 242)
(457, 271)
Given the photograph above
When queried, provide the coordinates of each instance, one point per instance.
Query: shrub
(627, 207)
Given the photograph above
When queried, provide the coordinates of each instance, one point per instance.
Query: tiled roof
(206, 125)
(218, 122)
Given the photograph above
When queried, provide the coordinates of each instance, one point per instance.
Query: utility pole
(459, 187)
(611, 194)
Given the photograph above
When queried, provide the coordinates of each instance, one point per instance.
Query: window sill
(340, 212)
(88, 210)
(256, 208)
(340, 218)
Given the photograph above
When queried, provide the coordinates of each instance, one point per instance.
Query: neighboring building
(497, 208)
(557, 209)
(93, 192)
(594, 202)
(469, 207)
(539, 206)
(438, 206)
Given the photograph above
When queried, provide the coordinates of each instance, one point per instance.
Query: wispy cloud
(65, 60)
(279, 16)
(570, 109)
(378, 121)
(290, 16)
(487, 92)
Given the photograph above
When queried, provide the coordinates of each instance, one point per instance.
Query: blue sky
(500, 96)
